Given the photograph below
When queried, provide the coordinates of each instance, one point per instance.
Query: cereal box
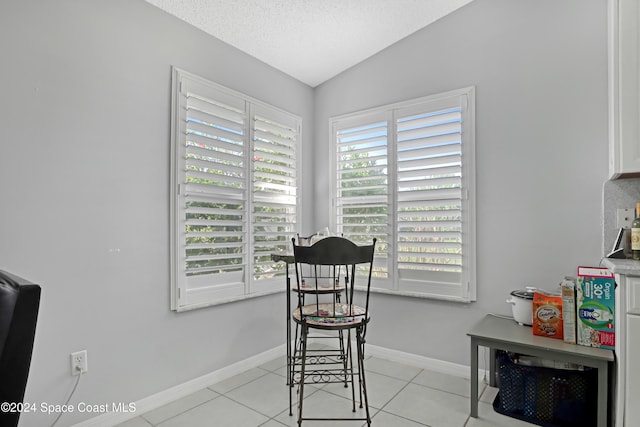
(547, 314)
(595, 307)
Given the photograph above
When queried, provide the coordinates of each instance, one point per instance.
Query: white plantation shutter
(429, 231)
(429, 194)
(362, 188)
(233, 193)
(275, 139)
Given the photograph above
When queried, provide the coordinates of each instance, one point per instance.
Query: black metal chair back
(334, 262)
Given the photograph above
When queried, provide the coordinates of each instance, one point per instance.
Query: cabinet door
(632, 288)
(632, 395)
(624, 87)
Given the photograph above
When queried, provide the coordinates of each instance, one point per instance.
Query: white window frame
(239, 151)
(394, 279)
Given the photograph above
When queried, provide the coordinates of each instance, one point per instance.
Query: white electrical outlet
(79, 362)
(625, 217)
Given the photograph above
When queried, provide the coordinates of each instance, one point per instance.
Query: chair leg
(344, 357)
(291, 368)
(359, 377)
(349, 370)
(361, 374)
(290, 385)
(303, 336)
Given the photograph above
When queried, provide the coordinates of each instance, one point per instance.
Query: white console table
(505, 334)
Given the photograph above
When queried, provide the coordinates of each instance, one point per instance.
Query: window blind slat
(286, 182)
(269, 186)
(427, 132)
(448, 225)
(430, 236)
(439, 194)
(429, 141)
(429, 120)
(429, 183)
(407, 213)
(203, 158)
(430, 172)
(214, 109)
(274, 162)
(427, 152)
(209, 145)
(281, 140)
(277, 122)
(226, 119)
(362, 132)
(432, 162)
(212, 190)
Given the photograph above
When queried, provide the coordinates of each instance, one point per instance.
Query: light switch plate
(625, 217)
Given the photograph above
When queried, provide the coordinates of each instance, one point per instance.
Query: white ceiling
(311, 40)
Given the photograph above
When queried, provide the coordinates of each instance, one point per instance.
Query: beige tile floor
(399, 396)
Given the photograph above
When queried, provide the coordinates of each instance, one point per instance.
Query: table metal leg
(474, 379)
(288, 332)
(603, 389)
(492, 367)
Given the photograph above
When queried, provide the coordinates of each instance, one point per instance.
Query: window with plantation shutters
(405, 174)
(234, 193)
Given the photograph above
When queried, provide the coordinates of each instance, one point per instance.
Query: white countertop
(622, 266)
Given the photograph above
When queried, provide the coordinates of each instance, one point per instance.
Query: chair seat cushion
(323, 316)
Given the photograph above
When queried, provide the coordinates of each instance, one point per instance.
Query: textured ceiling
(311, 40)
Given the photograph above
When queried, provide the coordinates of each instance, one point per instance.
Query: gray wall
(540, 71)
(84, 172)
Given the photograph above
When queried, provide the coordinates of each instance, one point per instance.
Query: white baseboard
(419, 361)
(181, 390)
(164, 397)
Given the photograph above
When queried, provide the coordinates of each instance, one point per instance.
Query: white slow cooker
(522, 305)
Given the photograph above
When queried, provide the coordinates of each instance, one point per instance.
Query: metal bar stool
(343, 262)
(316, 280)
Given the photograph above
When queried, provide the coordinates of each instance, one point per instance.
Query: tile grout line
(396, 415)
(181, 413)
(265, 371)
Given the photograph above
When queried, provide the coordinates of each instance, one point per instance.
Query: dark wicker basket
(546, 396)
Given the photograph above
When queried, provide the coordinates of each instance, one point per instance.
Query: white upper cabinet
(624, 88)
